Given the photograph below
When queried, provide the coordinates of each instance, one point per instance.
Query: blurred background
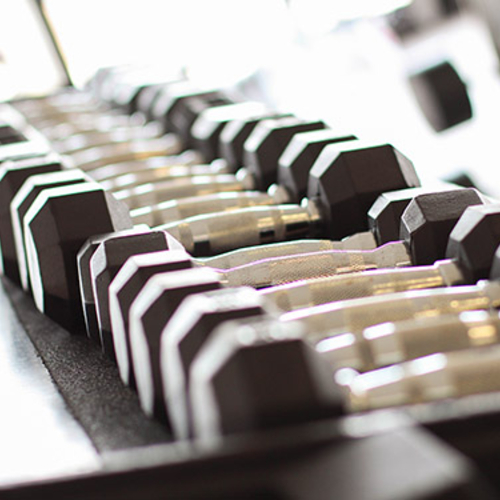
(420, 74)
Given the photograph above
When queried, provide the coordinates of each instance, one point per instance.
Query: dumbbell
(435, 377)
(210, 372)
(78, 142)
(12, 176)
(328, 212)
(222, 186)
(264, 160)
(107, 260)
(416, 338)
(137, 269)
(226, 187)
(31, 142)
(214, 120)
(98, 266)
(293, 193)
(188, 330)
(261, 274)
(222, 233)
(475, 258)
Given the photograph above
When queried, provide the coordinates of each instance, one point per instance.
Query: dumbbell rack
(135, 457)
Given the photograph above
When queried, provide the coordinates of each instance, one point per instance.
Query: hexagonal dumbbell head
(123, 290)
(9, 135)
(429, 218)
(442, 95)
(188, 330)
(21, 203)
(12, 176)
(33, 146)
(300, 154)
(348, 177)
(108, 258)
(235, 134)
(85, 278)
(475, 239)
(57, 224)
(170, 102)
(257, 376)
(148, 317)
(184, 116)
(147, 99)
(384, 216)
(168, 99)
(128, 92)
(209, 124)
(179, 105)
(267, 142)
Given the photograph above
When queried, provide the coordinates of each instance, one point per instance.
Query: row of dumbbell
(254, 220)
(344, 254)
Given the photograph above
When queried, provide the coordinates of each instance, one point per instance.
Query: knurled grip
(300, 295)
(217, 233)
(66, 129)
(164, 163)
(243, 256)
(127, 151)
(272, 272)
(147, 175)
(436, 377)
(357, 314)
(81, 142)
(155, 193)
(414, 339)
(176, 210)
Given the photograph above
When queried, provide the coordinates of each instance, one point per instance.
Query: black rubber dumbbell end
(149, 316)
(266, 144)
(384, 216)
(474, 241)
(260, 375)
(108, 258)
(123, 290)
(57, 224)
(299, 156)
(429, 219)
(347, 178)
(12, 176)
(188, 330)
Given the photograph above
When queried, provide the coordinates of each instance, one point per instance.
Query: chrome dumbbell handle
(164, 163)
(183, 208)
(161, 173)
(355, 315)
(392, 343)
(154, 193)
(300, 295)
(272, 272)
(80, 142)
(435, 377)
(242, 256)
(97, 157)
(216, 233)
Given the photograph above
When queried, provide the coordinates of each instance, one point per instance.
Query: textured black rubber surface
(108, 411)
